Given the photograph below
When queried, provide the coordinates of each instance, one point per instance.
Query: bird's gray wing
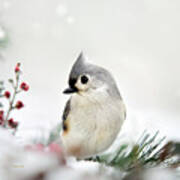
(65, 113)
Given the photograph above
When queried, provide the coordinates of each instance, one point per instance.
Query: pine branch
(55, 133)
(147, 152)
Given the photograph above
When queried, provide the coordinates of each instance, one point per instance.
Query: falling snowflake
(6, 4)
(61, 10)
(70, 20)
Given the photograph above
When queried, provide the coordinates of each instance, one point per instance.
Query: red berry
(17, 69)
(12, 123)
(19, 105)
(24, 86)
(7, 94)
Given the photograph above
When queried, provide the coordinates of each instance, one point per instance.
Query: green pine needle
(149, 151)
(55, 133)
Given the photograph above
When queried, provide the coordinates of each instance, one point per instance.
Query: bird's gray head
(87, 78)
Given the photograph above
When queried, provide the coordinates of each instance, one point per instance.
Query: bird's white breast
(93, 124)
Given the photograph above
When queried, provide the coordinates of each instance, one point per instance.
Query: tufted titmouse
(95, 112)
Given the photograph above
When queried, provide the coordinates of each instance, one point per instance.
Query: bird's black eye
(84, 79)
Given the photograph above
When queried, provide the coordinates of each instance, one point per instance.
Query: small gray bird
(95, 112)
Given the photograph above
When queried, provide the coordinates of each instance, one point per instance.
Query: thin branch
(11, 102)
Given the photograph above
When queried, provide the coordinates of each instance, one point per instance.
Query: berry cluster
(5, 120)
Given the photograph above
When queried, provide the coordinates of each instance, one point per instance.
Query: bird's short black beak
(70, 90)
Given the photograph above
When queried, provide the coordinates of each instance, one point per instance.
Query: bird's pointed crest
(81, 58)
(78, 66)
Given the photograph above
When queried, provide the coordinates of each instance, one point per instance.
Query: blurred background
(138, 41)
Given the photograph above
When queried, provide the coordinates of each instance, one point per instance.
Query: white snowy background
(138, 41)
